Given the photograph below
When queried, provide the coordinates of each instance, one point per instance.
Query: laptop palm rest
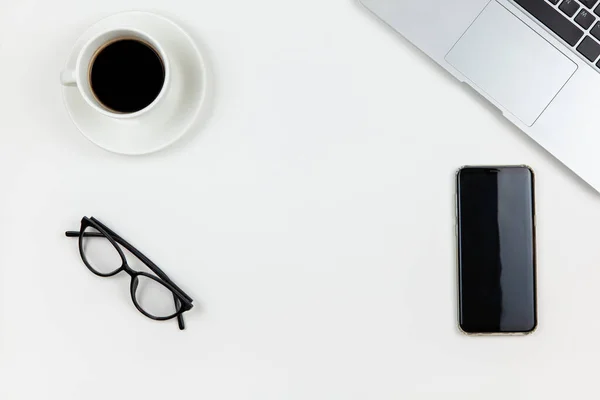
(511, 63)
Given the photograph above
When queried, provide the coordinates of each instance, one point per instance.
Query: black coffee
(127, 75)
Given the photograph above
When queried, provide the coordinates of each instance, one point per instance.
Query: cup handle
(67, 78)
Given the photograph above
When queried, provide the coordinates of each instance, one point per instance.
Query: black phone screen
(496, 250)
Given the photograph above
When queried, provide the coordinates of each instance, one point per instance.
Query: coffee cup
(121, 73)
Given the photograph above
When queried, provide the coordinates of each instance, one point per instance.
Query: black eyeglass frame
(183, 302)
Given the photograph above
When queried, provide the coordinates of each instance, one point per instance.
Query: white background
(311, 219)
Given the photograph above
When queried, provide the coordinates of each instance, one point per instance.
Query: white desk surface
(311, 220)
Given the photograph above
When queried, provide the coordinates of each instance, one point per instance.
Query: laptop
(538, 61)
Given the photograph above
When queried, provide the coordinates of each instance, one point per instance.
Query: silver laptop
(538, 61)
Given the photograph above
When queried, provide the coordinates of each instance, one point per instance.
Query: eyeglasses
(157, 297)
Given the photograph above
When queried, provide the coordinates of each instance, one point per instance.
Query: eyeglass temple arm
(135, 252)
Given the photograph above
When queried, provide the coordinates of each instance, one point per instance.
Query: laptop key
(595, 32)
(585, 19)
(569, 7)
(589, 3)
(555, 2)
(553, 20)
(589, 48)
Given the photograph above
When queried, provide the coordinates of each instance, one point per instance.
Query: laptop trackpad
(510, 62)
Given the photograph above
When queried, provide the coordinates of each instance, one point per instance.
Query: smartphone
(496, 250)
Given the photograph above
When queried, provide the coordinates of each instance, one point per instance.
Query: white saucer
(135, 137)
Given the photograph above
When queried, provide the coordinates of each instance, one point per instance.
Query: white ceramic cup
(80, 75)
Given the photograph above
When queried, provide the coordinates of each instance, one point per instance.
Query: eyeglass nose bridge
(129, 271)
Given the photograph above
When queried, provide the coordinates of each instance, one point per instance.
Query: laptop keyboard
(577, 22)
